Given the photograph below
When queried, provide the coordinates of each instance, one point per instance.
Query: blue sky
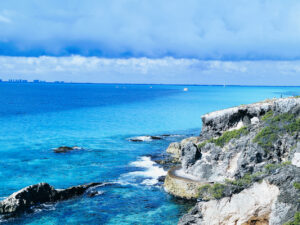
(153, 41)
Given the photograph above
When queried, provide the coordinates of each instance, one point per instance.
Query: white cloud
(215, 29)
(147, 70)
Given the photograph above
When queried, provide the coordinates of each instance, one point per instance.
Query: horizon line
(65, 82)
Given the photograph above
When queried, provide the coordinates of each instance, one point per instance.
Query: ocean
(100, 118)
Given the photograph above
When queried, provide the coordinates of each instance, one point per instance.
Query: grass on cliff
(296, 220)
(215, 191)
(226, 137)
(271, 166)
(297, 185)
(276, 125)
(267, 116)
(246, 180)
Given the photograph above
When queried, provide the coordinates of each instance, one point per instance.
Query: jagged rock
(161, 178)
(64, 149)
(254, 167)
(215, 123)
(28, 197)
(175, 148)
(251, 206)
(240, 156)
(189, 154)
(272, 201)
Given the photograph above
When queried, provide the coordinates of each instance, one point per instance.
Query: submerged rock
(145, 138)
(64, 149)
(33, 195)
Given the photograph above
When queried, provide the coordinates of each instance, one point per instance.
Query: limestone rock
(174, 149)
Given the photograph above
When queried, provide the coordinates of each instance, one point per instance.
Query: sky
(242, 42)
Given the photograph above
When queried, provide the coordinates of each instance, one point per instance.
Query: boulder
(64, 149)
(190, 154)
(174, 149)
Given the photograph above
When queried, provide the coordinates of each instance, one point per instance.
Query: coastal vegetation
(272, 166)
(296, 220)
(214, 191)
(246, 180)
(297, 185)
(276, 126)
(226, 137)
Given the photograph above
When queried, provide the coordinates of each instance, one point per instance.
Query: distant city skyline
(179, 42)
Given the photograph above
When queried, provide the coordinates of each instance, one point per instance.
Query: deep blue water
(35, 118)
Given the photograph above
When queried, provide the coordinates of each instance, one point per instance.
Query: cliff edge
(244, 166)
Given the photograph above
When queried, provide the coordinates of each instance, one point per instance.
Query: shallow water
(35, 118)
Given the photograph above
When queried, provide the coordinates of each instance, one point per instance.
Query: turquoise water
(35, 118)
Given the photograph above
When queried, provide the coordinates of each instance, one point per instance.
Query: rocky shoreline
(26, 199)
(244, 166)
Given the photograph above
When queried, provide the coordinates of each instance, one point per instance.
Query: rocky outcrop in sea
(244, 167)
(29, 197)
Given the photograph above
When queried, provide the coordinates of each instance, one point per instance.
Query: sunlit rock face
(243, 162)
(251, 206)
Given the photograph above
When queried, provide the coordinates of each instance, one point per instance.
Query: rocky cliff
(244, 166)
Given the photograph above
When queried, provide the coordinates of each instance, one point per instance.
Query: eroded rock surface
(33, 195)
(246, 161)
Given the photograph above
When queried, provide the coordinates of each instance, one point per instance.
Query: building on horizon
(17, 81)
(39, 81)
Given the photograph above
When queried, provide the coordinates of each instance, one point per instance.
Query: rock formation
(244, 166)
(64, 149)
(33, 195)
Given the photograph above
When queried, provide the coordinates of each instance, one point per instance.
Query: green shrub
(293, 127)
(266, 137)
(202, 144)
(228, 135)
(267, 116)
(270, 167)
(276, 125)
(297, 185)
(245, 180)
(296, 220)
(215, 191)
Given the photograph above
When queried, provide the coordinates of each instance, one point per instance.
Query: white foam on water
(151, 171)
(141, 138)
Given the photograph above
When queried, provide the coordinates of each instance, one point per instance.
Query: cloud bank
(146, 70)
(206, 30)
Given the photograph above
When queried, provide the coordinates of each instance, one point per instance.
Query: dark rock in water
(33, 195)
(161, 178)
(155, 137)
(64, 194)
(94, 193)
(145, 138)
(64, 149)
